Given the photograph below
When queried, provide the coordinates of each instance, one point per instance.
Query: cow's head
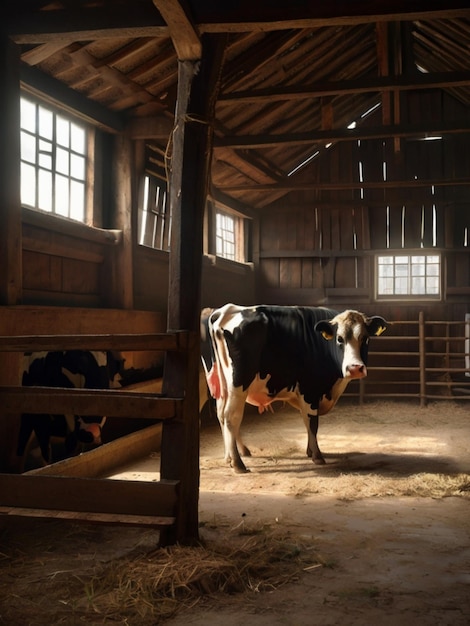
(351, 331)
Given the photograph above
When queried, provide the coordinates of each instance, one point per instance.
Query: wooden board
(89, 495)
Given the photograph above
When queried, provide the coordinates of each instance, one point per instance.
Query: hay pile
(169, 579)
(347, 487)
(152, 587)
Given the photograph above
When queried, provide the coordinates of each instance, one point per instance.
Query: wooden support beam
(198, 86)
(384, 83)
(419, 131)
(182, 31)
(386, 184)
(10, 203)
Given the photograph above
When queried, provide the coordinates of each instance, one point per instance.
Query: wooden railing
(422, 359)
(59, 492)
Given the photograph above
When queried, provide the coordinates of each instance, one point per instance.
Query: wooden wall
(318, 247)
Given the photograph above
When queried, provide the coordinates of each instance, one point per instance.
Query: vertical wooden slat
(422, 359)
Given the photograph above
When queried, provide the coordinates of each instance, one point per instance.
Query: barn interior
(161, 156)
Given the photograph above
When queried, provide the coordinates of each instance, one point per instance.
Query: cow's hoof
(320, 461)
(240, 469)
(245, 451)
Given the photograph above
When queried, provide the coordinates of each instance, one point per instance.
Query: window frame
(160, 212)
(396, 297)
(241, 236)
(87, 154)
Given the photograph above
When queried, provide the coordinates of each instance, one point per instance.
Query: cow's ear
(326, 329)
(376, 326)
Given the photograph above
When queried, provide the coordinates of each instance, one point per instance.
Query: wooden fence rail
(421, 359)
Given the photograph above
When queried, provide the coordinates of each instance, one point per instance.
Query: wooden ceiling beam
(32, 25)
(329, 186)
(84, 24)
(265, 15)
(419, 131)
(182, 31)
(438, 80)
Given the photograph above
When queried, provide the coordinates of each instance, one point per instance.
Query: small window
(53, 161)
(225, 236)
(408, 275)
(230, 237)
(154, 215)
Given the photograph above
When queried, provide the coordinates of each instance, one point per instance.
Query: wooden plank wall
(318, 247)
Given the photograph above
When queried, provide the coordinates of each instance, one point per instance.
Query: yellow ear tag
(327, 336)
(380, 330)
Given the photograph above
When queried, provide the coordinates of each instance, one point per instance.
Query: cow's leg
(310, 417)
(242, 448)
(230, 414)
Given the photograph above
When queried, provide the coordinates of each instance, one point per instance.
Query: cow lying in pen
(69, 369)
(305, 356)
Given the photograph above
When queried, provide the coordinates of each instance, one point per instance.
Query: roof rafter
(182, 31)
(364, 85)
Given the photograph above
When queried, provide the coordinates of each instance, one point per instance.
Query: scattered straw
(152, 587)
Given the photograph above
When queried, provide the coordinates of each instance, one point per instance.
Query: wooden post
(10, 229)
(198, 84)
(10, 201)
(121, 267)
(422, 360)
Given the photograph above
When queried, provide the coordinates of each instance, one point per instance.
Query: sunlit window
(225, 236)
(53, 161)
(408, 275)
(154, 215)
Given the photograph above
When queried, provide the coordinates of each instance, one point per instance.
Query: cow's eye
(339, 339)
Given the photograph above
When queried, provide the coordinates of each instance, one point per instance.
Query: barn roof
(296, 76)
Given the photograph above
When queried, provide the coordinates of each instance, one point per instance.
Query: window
(225, 236)
(405, 275)
(231, 236)
(154, 216)
(53, 161)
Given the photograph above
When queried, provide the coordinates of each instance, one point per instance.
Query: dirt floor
(380, 534)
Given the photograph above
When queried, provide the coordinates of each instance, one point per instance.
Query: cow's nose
(357, 370)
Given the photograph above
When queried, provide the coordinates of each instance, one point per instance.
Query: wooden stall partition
(70, 491)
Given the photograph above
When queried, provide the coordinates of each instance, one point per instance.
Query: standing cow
(305, 356)
(69, 369)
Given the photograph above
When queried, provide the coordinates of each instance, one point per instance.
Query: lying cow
(69, 369)
(305, 356)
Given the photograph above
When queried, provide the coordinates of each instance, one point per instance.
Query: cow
(305, 356)
(69, 369)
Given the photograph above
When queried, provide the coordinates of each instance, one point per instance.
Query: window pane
(77, 167)
(62, 161)
(45, 123)
(61, 195)
(63, 134)
(28, 185)
(78, 138)
(45, 190)
(28, 147)
(418, 285)
(28, 115)
(418, 270)
(77, 200)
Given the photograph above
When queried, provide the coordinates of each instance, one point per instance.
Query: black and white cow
(69, 369)
(305, 356)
